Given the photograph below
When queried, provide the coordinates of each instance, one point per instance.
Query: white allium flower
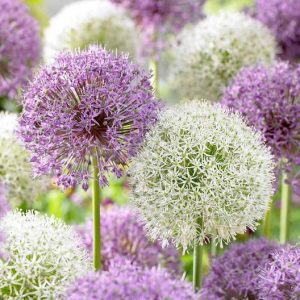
(15, 168)
(202, 173)
(209, 54)
(44, 257)
(90, 22)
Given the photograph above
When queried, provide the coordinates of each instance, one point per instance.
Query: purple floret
(280, 278)
(235, 274)
(269, 99)
(283, 18)
(123, 235)
(158, 18)
(20, 46)
(90, 103)
(128, 281)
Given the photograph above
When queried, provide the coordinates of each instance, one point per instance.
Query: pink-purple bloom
(128, 281)
(19, 46)
(269, 99)
(84, 104)
(283, 18)
(123, 235)
(235, 274)
(158, 18)
(280, 277)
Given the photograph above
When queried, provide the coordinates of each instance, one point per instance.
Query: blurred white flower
(82, 23)
(209, 54)
(201, 173)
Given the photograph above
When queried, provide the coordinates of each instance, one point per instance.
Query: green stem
(267, 223)
(153, 65)
(284, 211)
(197, 266)
(213, 249)
(96, 216)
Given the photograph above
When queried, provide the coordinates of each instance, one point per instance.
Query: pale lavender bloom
(20, 46)
(283, 18)
(90, 103)
(128, 281)
(123, 235)
(269, 99)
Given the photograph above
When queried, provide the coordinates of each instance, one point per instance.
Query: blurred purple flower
(280, 278)
(124, 236)
(128, 281)
(283, 18)
(19, 46)
(90, 103)
(158, 18)
(269, 99)
(234, 275)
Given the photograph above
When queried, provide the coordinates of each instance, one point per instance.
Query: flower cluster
(87, 104)
(15, 168)
(269, 99)
(128, 281)
(283, 18)
(158, 18)
(122, 235)
(209, 54)
(280, 278)
(201, 173)
(20, 46)
(236, 274)
(44, 257)
(4, 205)
(82, 23)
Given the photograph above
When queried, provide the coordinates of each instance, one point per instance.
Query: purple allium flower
(234, 275)
(280, 278)
(283, 18)
(128, 282)
(124, 236)
(157, 18)
(20, 46)
(90, 103)
(269, 99)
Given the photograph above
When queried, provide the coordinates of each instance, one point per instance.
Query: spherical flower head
(235, 274)
(283, 19)
(44, 256)
(82, 23)
(123, 236)
(20, 46)
(159, 18)
(269, 99)
(209, 54)
(201, 173)
(128, 281)
(15, 168)
(84, 104)
(280, 278)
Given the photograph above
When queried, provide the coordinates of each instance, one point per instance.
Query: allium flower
(158, 18)
(127, 282)
(82, 23)
(235, 275)
(15, 168)
(91, 103)
(44, 257)
(209, 54)
(124, 236)
(202, 173)
(269, 99)
(20, 46)
(280, 278)
(4, 205)
(283, 19)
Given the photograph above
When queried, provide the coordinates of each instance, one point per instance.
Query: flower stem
(284, 211)
(96, 216)
(213, 249)
(197, 266)
(267, 223)
(153, 65)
